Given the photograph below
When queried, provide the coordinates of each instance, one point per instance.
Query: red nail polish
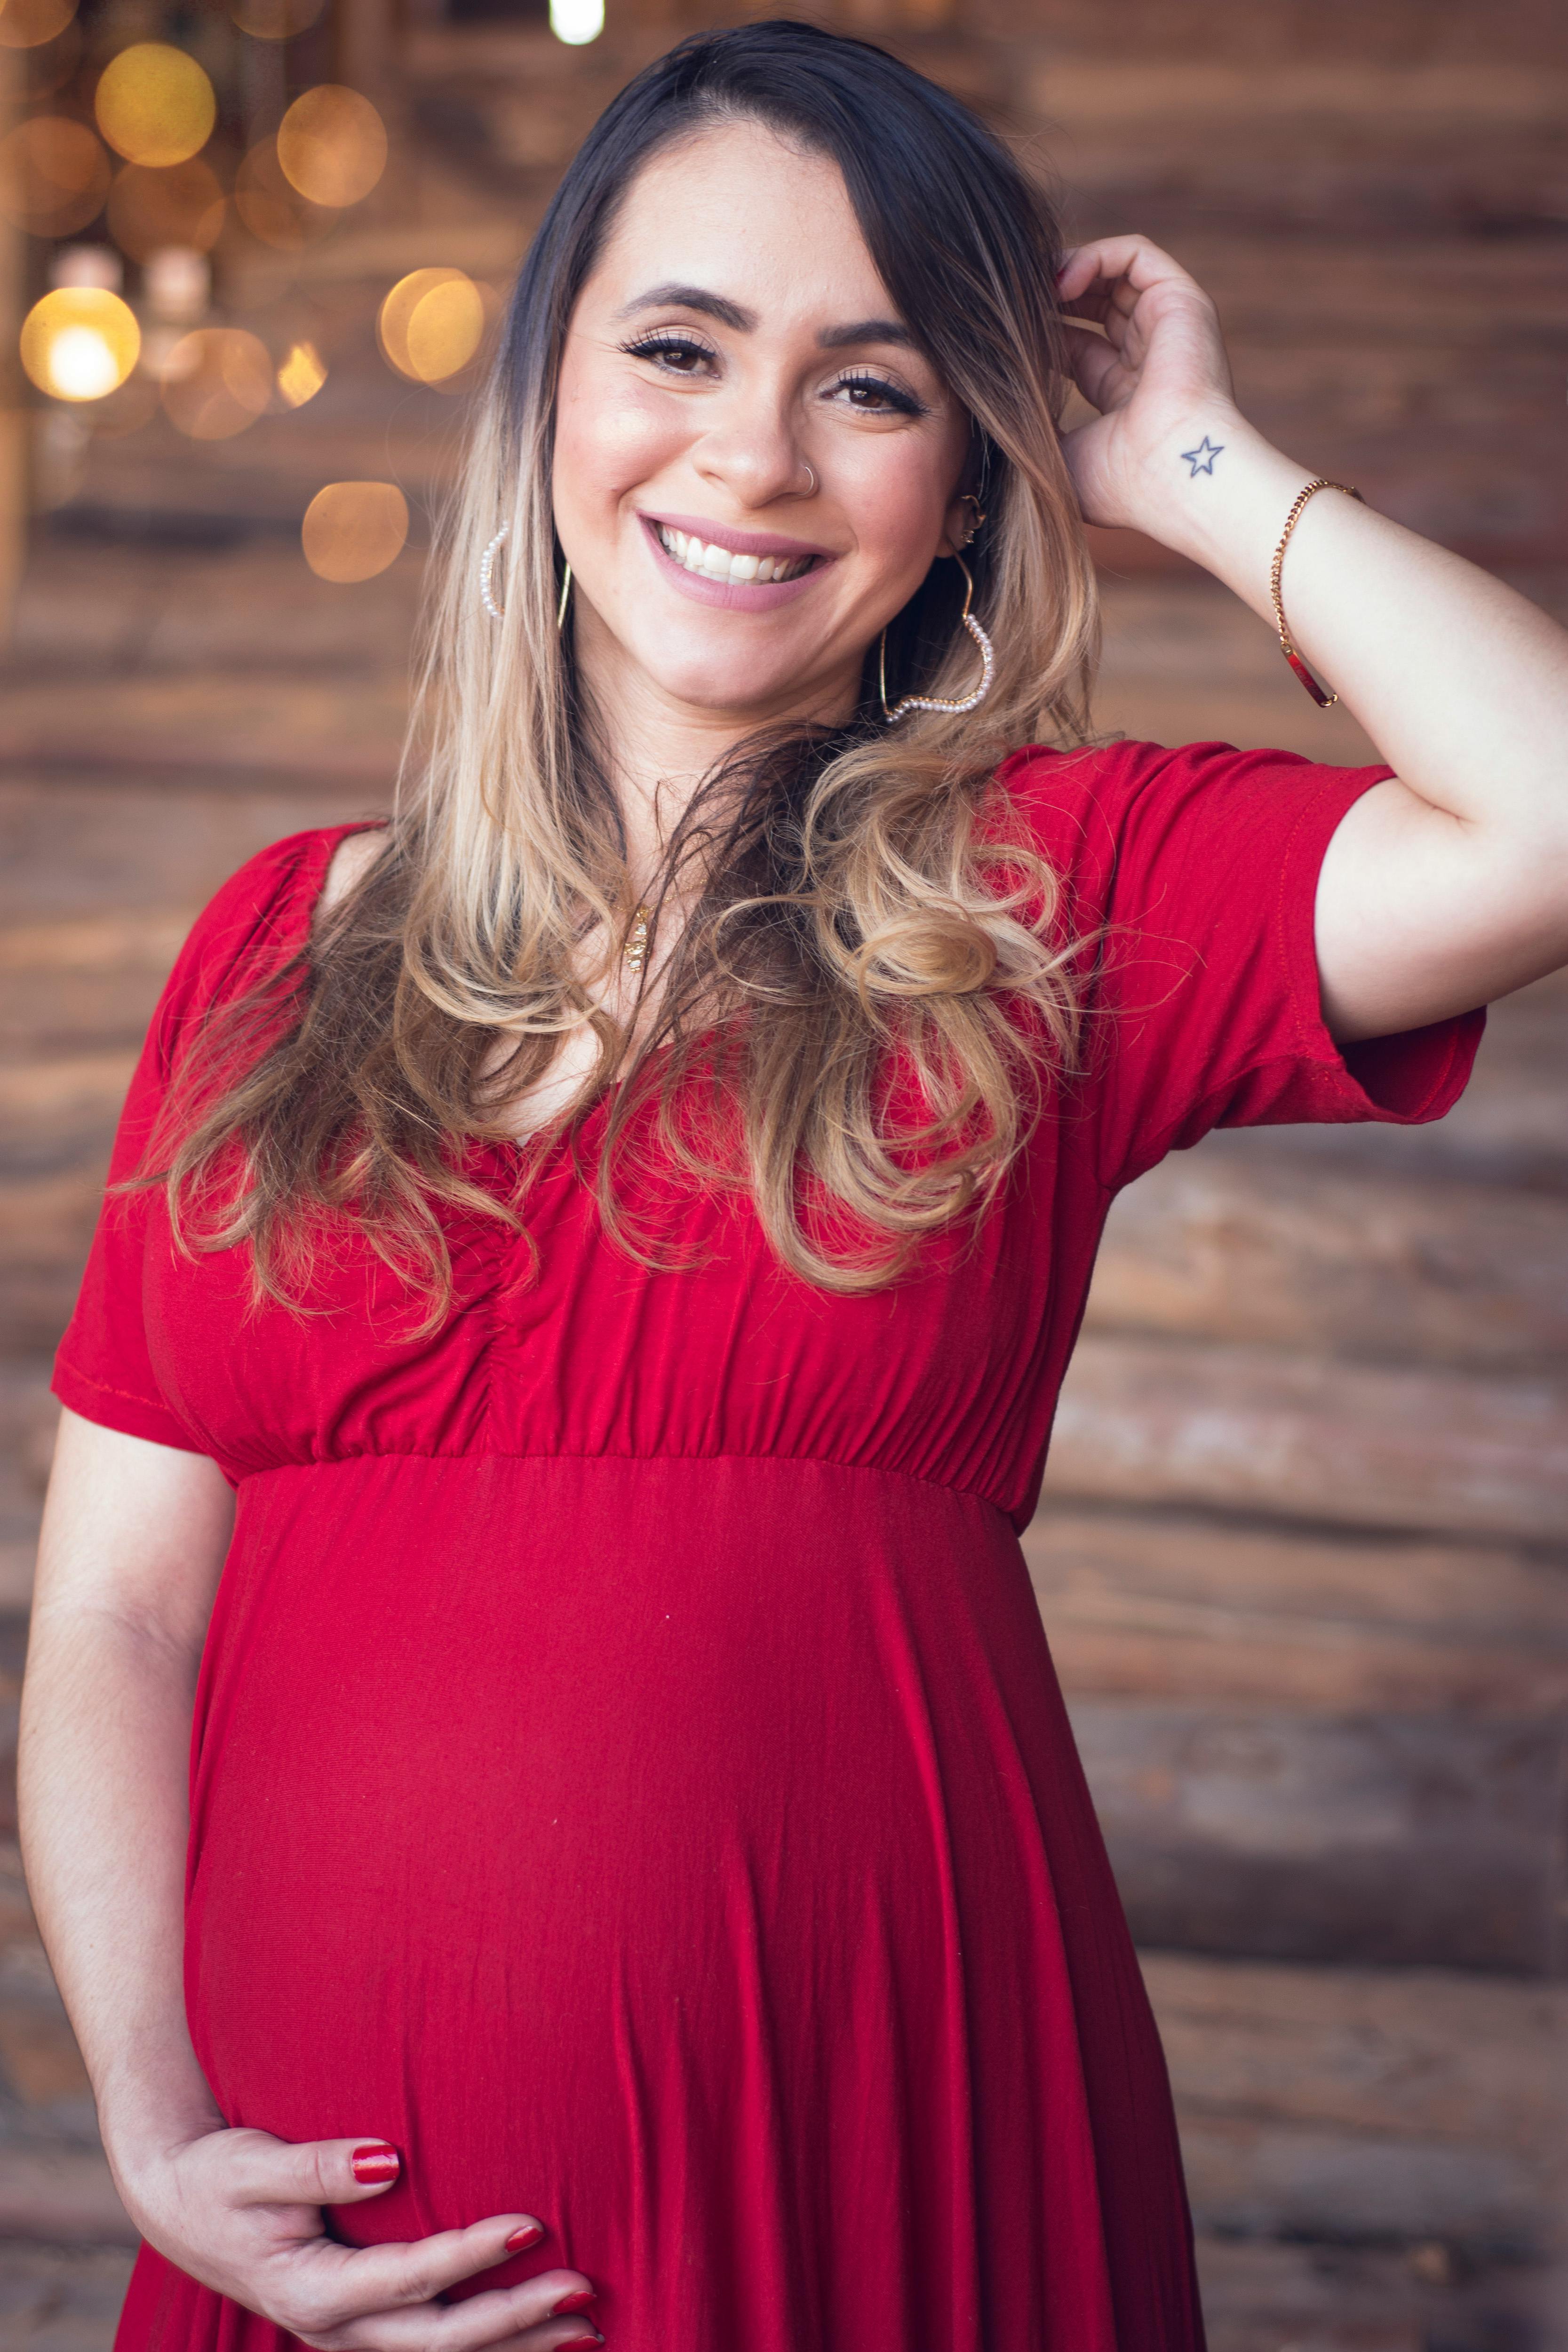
(529, 2236)
(375, 2161)
(578, 2300)
(571, 2343)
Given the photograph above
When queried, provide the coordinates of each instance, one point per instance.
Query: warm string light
(351, 530)
(154, 109)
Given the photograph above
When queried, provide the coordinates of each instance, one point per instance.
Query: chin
(737, 686)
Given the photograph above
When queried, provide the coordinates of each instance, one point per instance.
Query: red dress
(629, 1772)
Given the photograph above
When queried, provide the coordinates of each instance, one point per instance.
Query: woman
(600, 1256)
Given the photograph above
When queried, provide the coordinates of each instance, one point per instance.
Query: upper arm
(350, 861)
(1421, 914)
(134, 1531)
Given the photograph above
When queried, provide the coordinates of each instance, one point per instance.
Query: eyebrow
(744, 321)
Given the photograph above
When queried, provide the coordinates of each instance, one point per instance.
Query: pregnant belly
(661, 1847)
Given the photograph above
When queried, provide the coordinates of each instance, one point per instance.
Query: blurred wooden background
(1304, 1553)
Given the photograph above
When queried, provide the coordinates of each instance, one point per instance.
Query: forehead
(742, 212)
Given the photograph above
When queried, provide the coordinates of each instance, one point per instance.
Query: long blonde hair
(859, 903)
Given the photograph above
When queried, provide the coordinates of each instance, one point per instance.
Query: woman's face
(733, 341)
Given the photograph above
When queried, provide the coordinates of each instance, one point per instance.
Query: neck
(657, 751)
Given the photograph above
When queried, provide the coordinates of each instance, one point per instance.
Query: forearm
(103, 1771)
(1461, 683)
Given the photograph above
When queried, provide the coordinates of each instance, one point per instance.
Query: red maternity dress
(629, 1772)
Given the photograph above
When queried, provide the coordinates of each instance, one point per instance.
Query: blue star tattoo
(1201, 460)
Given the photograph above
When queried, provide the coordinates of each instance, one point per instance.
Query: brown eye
(875, 396)
(677, 352)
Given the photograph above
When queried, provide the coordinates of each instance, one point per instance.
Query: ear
(956, 524)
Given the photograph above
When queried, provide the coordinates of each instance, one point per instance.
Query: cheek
(896, 491)
(607, 442)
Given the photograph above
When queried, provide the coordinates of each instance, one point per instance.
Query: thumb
(313, 2171)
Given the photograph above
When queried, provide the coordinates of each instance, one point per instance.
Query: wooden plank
(1244, 1429)
(1352, 2103)
(1140, 1605)
(1280, 1252)
(1393, 1841)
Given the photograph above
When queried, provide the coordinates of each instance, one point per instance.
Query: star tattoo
(1201, 460)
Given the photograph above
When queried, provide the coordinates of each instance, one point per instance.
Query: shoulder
(260, 919)
(350, 856)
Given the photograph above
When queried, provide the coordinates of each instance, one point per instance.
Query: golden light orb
(80, 342)
(445, 330)
(155, 105)
(216, 381)
(331, 145)
(301, 375)
(431, 324)
(351, 530)
(28, 24)
(54, 175)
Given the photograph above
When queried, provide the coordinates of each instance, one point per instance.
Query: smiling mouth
(711, 562)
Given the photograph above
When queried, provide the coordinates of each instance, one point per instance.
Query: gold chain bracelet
(1287, 648)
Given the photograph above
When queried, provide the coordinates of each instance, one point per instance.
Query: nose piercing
(812, 471)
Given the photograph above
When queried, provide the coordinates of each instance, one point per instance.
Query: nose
(752, 452)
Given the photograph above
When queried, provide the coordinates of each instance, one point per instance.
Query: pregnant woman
(545, 1789)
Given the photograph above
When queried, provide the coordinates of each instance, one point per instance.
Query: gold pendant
(636, 949)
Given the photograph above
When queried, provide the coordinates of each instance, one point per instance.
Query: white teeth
(718, 564)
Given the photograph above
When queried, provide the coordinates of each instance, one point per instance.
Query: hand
(1158, 373)
(242, 2213)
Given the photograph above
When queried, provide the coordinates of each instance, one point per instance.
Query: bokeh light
(301, 375)
(331, 145)
(181, 205)
(28, 24)
(155, 105)
(275, 213)
(216, 381)
(432, 323)
(80, 342)
(577, 21)
(351, 530)
(275, 20)
(54, 175)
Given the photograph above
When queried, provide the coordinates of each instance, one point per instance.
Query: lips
(741, 571)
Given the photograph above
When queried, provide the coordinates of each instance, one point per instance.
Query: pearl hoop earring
(941, 702)
(487, 568)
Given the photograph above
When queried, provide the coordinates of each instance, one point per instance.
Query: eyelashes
(682, 354)
(666, 346)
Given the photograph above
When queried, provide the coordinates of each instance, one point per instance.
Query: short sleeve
(105, 1368)
(1198, 866)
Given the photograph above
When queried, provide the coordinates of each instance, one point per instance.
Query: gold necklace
(636, 949)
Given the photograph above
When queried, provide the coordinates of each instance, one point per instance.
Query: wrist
(140, 2135)
(1217, 492)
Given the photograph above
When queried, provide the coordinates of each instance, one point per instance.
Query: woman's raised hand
(242, 2213)
(1159, 373)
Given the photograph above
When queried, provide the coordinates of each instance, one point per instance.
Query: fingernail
(578, 2300)
(529, 2236)
(568, 2343)
(376, 2161)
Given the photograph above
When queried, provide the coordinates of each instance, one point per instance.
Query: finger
(1098, 371)
(328, 2286)
(269, 2171)
(530, 2315)
(1106, 259)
